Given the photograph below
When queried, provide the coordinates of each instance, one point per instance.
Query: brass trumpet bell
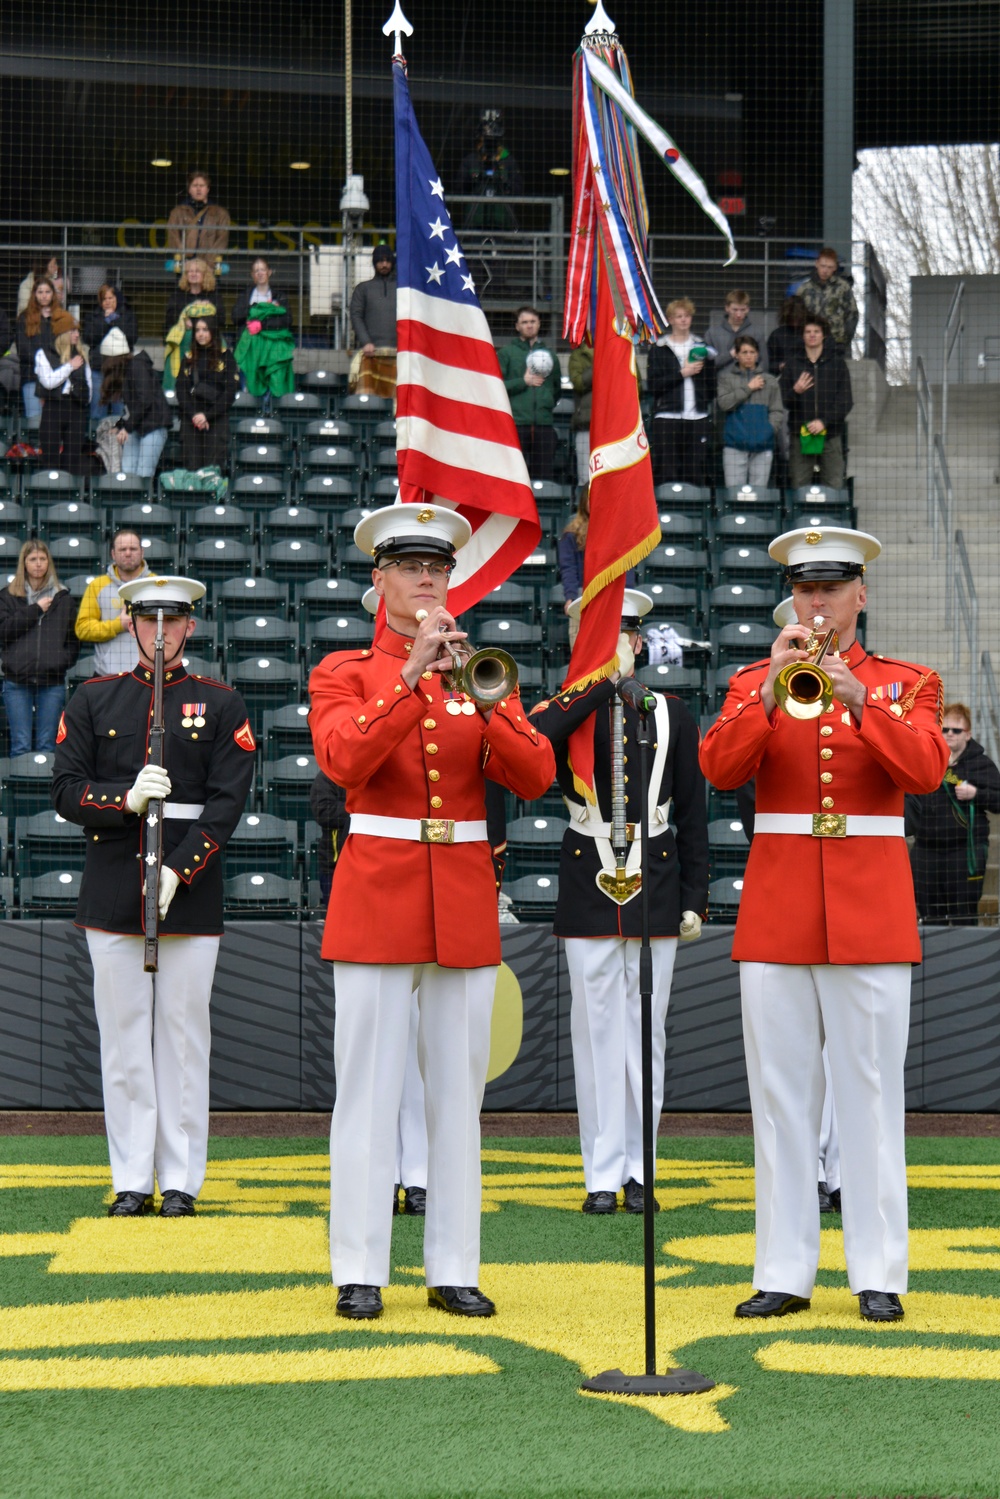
(802, 689)
(486, 676)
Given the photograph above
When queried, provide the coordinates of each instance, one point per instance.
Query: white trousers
(829, 1137)
(453, 1047)
(411, 1134)
(863, 1012)
(606, 1030)
(155, 1043)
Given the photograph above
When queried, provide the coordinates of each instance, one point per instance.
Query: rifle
(154, 814)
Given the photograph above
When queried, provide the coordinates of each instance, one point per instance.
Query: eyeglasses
(954, 731)
(411, 568)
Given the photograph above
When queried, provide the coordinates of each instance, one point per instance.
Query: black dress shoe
(130, 1205)
(395, 1199)
(880, 1306)
(633, 1197)
(771, 1304)
(415, 1201)
(177, 1205)
(825, 1199)
(600, 1202)
(464, 1301)
(363, 1303)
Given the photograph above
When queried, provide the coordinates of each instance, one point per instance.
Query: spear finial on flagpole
(398, 25)
(599, 21)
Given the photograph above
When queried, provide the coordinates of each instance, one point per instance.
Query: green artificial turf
(525, 1430)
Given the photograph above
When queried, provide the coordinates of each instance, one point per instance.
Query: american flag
(455, 437)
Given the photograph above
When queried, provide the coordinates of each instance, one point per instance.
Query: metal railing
(942, 515)
(925, 432)
(966, 607)
(988, 717)
(954, 330)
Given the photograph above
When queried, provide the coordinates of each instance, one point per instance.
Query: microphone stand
(675, 1381)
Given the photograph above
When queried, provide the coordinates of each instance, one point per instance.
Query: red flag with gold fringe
(624, 523)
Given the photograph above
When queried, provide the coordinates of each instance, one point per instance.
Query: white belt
(828, 824)
(659, 819)
(188, 811)
(418, 829)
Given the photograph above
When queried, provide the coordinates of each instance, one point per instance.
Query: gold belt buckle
(630, 832)
(437, 830)
(829, 825)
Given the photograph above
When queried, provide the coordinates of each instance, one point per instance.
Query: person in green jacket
(265, 351)
(533, 392)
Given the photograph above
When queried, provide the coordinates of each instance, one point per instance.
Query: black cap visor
(823, 572)
(414, 546)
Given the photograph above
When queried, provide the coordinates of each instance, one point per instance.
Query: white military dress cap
(369, 600)
(172, 595)
(635, 606)
(784, 614)
(411, 528)
(816, 554)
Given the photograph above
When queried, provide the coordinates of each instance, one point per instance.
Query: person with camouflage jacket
(830, 294)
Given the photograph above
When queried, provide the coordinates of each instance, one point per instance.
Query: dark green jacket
(531, 406)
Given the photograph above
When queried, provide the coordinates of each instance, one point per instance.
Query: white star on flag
(437, 228)
(437, 189)
(434, 273)
(454, 255)
(468, 284)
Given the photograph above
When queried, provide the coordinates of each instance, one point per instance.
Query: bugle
(802, 689)
(485, 676)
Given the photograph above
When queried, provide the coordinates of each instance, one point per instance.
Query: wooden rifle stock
(154, 815)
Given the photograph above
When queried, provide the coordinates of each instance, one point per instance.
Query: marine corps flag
(624, 524)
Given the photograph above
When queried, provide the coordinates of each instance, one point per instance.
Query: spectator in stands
(681, 378)
(62, 380)
(197, 284)
(786, 339)
(38, 647)
(206, 388)
(101, 620)
(754, 416)
(49, 266)
(581, 374)
(38, 327)
(827, 292)
(110, 312)
(130, 381)
(198, 226)
(533, 380)
(735, 320)
(816, 390)
(950, 828)
(373, 318)
(265, 350)
(260, 290)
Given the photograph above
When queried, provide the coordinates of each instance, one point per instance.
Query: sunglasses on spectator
(954, 731)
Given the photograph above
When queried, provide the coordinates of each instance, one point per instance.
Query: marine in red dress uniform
(827, 926)
(414, 757)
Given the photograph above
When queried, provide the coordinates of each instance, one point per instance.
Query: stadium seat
(743, 640)
(285, 731)
(741, 526)
(331, 490)
(287, 783)
(747, 565)
(26, 782)
(724, 898)
(338, 632)
(292, 523)
(331, 430)
(261, 635)
(672, 563)
(685, 682)
(673, 602)
(295, 561)
(746, 500)
(73, 554)
(533, 896)
(676, 526)
(53, 483)
(743, 600)
(533, 845)
(46, 842)
(324, 383)
(203, 666)
(163, 557)
(256, 491)
(238, 597)
(300, 406)
(218, 559)
(262, 843)
(211, 521)
(365, 410)
(332, 458)
(13, 518)
(692, 499)
(727, 846)
(10, 551)
(265, 682)
(384, 463)
(262, 894)
(385, 490)
(69, 518)
(57, 892)
(384, 434)
(121, 489)
(77, 583)
(522, 641)
(264, 458)
(147, 518)
(246, 402)
(320, 597)
(260, 429)
(507, 601)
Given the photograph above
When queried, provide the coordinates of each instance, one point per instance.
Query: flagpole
(397, 25)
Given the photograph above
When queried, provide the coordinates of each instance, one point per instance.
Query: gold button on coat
(432, 749)
(434, 775)
(826, 754)
(826, 778)
(430, 723)
(827, 803)
(826, 731)
(436, 801)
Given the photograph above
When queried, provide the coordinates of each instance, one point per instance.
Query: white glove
(166, 890)
(152, 783)
(690, 926)
(626, 659)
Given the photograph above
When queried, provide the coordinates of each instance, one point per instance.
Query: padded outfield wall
(273, 1010)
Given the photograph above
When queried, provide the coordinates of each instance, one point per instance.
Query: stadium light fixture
(300, 166)
(161, 161)
(558, 171)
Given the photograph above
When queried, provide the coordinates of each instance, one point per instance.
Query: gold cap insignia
(425, 516)
(814, 537)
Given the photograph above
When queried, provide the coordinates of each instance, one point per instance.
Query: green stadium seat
(219, 558)
(46, 843)
(508, 601)
(385, 490)
(741, 526)
(338, 632)
(266, 429)
(676, 526)
(57, 892)
(685, 682)
(264, 458)
(522, 641)
(148, 519)
(692, 499)
(321, 597)
(258, 491)
(744, 499)
(384, 464)
(329, 490)
(384, 434)
(727, 846)
(203, 666)
(266, 682)
(211, 521)
(77, 583)
(236, 598)
(292, 523)
(69, 518)
(262, 895)
(10, 551)
(13, 518)
(331, 430)
(743, 640)
(285, 731)
(724, 898)
(121, 489)
(326, 384)
(300, 406)
(52, 483)
(746, 564)
(365, 410)
(78, 553)
(287, 783)
(26, 783)
(533, 845)
(673, 563)
(296, 561)
(163, 557)
(533, 896)
(246, 402)
(332, 458)
(673, 602)
(261, 635)
(262, 843)
(741, 600)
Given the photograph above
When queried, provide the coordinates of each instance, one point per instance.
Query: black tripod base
(673, 1382)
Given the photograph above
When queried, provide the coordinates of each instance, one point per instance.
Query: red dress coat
(830, 900)
(399, 753)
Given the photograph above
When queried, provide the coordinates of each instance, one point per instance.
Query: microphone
(632, 692)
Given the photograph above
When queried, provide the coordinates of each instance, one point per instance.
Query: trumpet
(485, 676)
(802, 689)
